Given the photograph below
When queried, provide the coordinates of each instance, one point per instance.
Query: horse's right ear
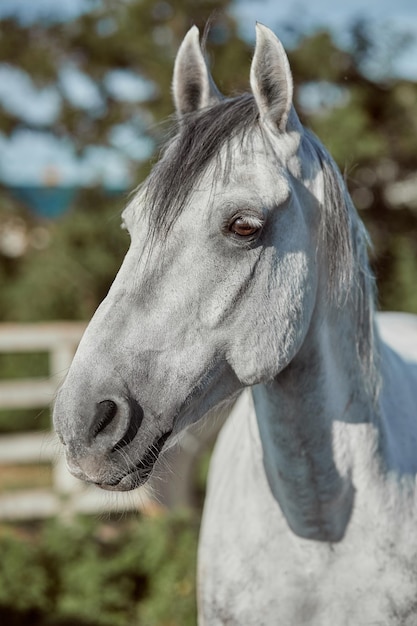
(192, 86)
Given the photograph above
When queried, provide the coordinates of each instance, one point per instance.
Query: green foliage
(317, 57)
(138, 573)
(401, 292)
(373, 124)
(348, 134)
(24, 582)
(70, 276)
(141, 36)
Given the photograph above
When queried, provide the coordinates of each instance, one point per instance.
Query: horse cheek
(269, 339)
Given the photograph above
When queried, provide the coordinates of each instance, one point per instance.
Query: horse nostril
(106, 411)
(135, 420)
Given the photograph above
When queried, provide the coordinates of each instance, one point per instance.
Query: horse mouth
(139, 473)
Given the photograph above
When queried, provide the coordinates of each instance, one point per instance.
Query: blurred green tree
(347, 96)
(136, 37)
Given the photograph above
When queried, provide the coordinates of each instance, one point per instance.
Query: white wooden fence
(68, 495)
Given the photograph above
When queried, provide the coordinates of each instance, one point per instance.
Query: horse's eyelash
(254, 220)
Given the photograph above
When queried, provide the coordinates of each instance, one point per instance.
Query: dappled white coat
(254, 570)
(261, 282)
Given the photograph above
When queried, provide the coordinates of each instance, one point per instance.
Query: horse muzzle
(110, 450)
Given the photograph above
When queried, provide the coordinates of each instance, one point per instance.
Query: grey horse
(247, 284)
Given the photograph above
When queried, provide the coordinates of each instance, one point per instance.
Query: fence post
(65, 486)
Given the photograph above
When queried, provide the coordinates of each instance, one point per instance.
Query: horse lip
(140, 473)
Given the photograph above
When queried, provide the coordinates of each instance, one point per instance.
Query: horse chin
(135, 477)
(129, 482)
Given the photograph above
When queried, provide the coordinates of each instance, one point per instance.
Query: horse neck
(296, 414)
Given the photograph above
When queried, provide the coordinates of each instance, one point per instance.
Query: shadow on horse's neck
(296, 414)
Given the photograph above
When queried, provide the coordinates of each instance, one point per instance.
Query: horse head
(218, 288)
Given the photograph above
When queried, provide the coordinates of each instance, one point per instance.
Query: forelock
(200, 140)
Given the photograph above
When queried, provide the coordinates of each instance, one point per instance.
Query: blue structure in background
(49, 202)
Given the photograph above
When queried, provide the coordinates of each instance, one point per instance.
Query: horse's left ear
(192, 86)
(271, 79)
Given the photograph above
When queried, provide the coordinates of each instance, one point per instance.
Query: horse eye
(243, 227)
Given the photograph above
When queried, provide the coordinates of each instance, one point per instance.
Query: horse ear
(271, 78)
(193, 87)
